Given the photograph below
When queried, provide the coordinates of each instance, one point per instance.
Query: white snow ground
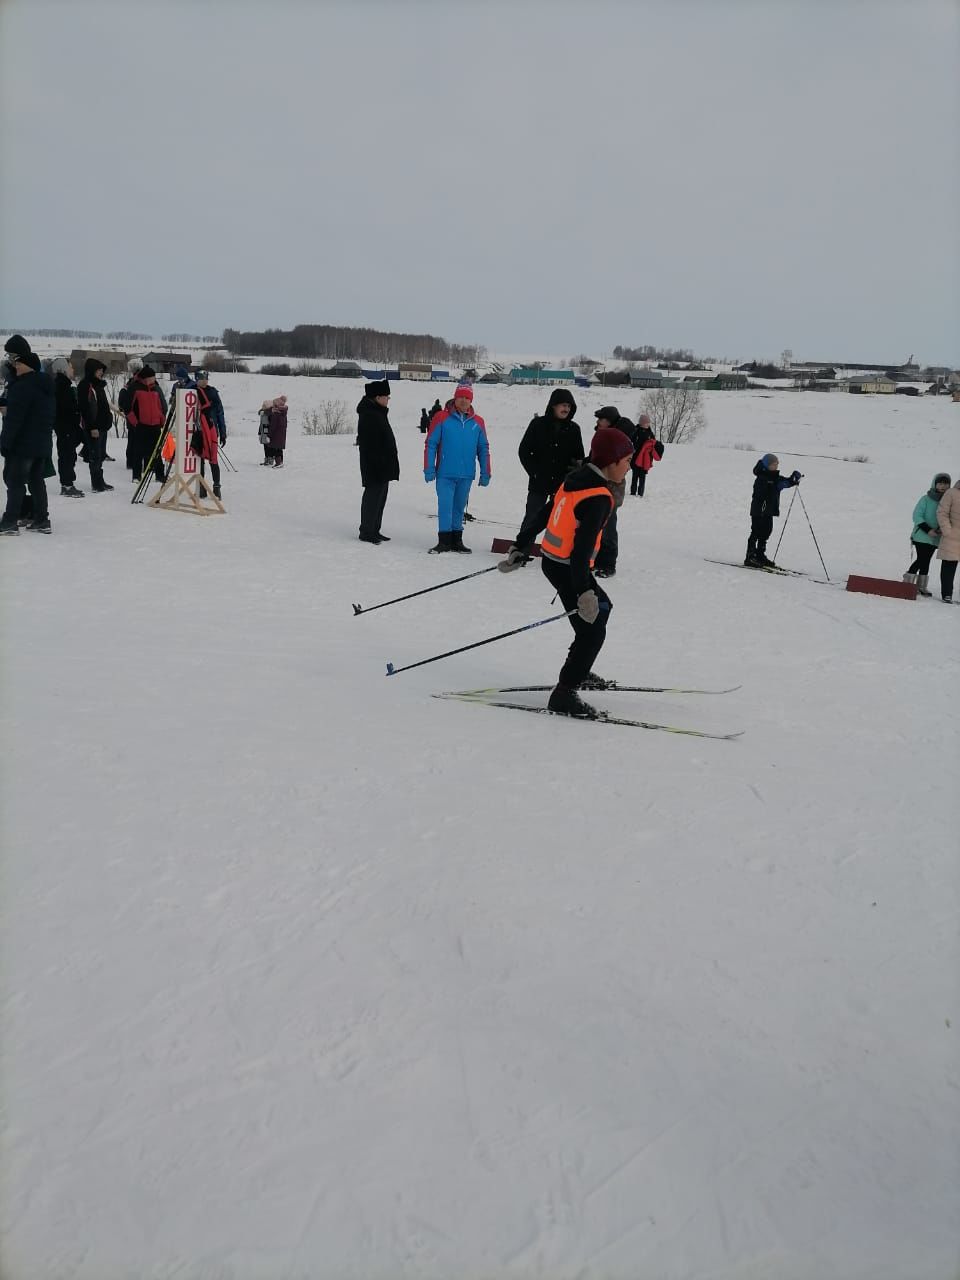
(306, 974)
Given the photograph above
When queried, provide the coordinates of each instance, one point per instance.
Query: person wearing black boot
(455, 444)
(551, 448)
(95, 420)
(765, 507)
(379, 460)
(66, 426)
(573, 528)
(26, 443)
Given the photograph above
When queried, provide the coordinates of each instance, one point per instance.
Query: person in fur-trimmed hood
(948, 552)
(552, 446)
(925, 537)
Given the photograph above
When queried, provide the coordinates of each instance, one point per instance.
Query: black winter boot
(443, 543)
(567, 702)
(457, 543)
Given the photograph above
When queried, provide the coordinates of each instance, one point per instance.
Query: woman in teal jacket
(926, 532)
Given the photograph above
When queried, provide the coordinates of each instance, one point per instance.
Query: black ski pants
(638, 481)
(588, 637)
(145, 441)
(20, 474)
(948, 569)
(922, 555)
(760, 531)
(67, 455)
(371, 508)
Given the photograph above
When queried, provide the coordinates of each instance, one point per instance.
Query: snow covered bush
(676, 413)
(328, 419)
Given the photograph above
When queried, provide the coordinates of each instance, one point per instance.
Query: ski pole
(813, 535)
(783, 530)
(395, 671)
(358, 609)
(223, 454)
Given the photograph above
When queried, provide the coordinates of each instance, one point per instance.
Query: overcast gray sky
(736, 177)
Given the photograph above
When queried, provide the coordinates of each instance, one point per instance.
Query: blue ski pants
(452, 498)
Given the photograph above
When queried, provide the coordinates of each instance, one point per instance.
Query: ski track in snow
(308, 974)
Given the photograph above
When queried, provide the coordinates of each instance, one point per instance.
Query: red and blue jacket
(454, 445)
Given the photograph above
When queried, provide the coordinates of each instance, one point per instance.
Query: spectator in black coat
(66, 425)
(649, 450)
(96, 420)
(26, 443)
(551, 448)
(379, 462)
(425, 421)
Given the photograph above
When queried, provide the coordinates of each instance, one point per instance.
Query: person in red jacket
(649, 451)
(210, 435)
(146, 418)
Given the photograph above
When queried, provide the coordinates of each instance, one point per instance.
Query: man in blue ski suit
(457, 439)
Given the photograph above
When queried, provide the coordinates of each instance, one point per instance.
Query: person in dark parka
(551, 448)
(26, 443)
(379, 462)
(95, 420)
(66, 426)
(765, 507)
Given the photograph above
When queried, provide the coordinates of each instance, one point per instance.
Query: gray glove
(516, 559)
(588, 606)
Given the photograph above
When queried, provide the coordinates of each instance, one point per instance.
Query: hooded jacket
(92, 398)
(925, 527)
(551, 447)
(948, 517)
(379, 462)
(766, 491)
(67, 419)
(28, 424)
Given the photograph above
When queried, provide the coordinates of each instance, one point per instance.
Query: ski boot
(457, 543)
(567, 702)
(596, 683)
(443, 543)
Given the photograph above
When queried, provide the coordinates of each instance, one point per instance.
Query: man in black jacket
(573, 529)
(551, 447)
(95, 420)
(26, 443)
(379, 462)
(66, 426)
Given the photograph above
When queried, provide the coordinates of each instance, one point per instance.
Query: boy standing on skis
(582, 506)
(764, 507)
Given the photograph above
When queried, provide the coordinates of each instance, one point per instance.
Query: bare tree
(676, 413)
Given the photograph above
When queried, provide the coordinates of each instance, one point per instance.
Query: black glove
(796, 477)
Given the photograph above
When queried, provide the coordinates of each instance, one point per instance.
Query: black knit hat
(374, 389)
(611, 414)
(147, 372)
(32, 359)
(17, 346)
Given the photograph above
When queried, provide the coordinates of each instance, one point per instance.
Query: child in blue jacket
(456, 441)
(765, 507)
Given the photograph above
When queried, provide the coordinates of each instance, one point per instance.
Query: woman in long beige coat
(948, 518)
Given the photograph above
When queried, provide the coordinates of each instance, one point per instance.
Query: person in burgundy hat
(571, 539)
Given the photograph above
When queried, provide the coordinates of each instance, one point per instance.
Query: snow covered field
(307, 974)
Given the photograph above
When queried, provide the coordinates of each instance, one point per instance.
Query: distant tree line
(337, 342)
(653, 353)
(194, 338)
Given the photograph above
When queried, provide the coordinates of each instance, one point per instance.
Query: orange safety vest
(557, 541)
